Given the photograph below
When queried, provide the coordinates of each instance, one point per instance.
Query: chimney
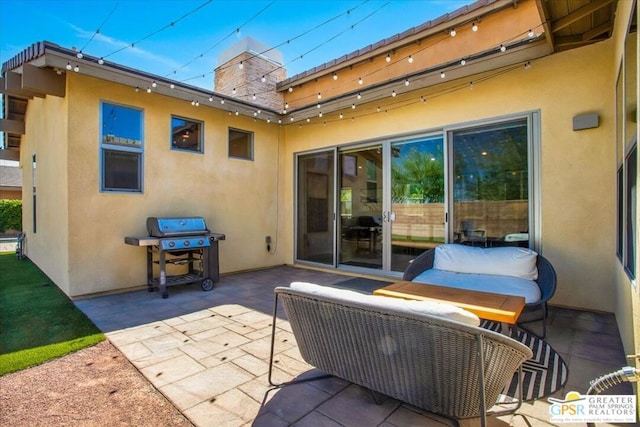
(259, 63)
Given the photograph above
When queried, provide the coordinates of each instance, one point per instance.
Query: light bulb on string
(335, 76)
(253, 97)
(172, 86)
(290, 89)
(148, 90)
(341, 115)
(406, 82)
(211, 99)
(353, 106)
(318, 106)
(237, 112)
(319, 95)
(360, 81)
(531, 34)
(154, 84)
(76, 68)
(503, 48)
(137, 89)
(474, 27)
(359, 95)
(286, 105)
(222, 101)
(100, 61)
(233, 91)
(453, 32)
(79, 55)
(463, 61)
(442, 75)
(69, 67)
(393, 93)
(410, 59)
(470, 85)
(388, 58)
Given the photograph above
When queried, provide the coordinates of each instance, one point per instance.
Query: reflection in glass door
(315, 208)
(361, 206)
(417, 198)
(491, 185)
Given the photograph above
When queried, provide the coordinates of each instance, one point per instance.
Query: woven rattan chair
(546, 280)
(439, 365)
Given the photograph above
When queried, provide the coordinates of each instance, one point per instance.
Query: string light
(79, 55)
(222, 101)
(410, 59)
(137, 89)
(264, 79)
(527, 65)
(241, 65)
(442, 75)
(211, 99)
(148, 90)
(453, 32)
(237, 112)
(318, 106)
(154, 84)
(531, 34)
(319, 95)
(233, 91)
(406, 82)
(76, 68)
(393, 93)
(359, 95)
(388, 58)
(290, 89)
(69, 67)
(474, 27)
(341, 115)
(353, 106)
(463, 61)
(335, 76)
(503, 48)
(360, 81)
(101, 61)
(172, 86)
(253, 97)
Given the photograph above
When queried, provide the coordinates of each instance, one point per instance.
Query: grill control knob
(186, 243)
(200, 242)
(172, 244)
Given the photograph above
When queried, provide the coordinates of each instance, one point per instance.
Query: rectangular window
(620, 216)
(186, 134)
(240, 144)
(121, 148)
(631, 172)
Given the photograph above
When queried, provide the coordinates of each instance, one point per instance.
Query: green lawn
(38, 322)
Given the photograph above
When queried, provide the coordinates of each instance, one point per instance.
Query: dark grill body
(188, 242)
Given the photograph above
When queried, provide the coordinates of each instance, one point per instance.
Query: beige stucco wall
(45, 136)
(236, 197)
(577, 172)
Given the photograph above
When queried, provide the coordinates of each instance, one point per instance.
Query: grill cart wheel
(207, 284)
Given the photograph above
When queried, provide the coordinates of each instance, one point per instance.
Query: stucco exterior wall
(46, 134)
(577, 168)
(236, 197)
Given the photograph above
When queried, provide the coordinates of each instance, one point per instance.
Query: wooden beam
(43, 80)
(546, 24)
(578, 14)
(13, 86)
(12, 126)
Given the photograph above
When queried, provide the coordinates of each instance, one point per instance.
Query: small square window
(240, 144)
(186, 134)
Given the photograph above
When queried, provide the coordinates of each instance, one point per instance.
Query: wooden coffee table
(486, 305)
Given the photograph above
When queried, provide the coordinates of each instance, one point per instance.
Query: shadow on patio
(208, 353)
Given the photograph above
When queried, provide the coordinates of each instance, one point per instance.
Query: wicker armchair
(439, 365)
(547, 282)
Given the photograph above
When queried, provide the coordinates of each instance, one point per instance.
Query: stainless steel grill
(188, 242)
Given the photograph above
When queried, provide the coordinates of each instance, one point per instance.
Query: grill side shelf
(141, 241)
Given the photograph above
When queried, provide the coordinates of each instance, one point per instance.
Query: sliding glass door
(315, 225)
(361, 207)
(417, 217)
(490, 184)
(378, 206)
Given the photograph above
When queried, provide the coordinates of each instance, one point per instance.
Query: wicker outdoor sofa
(431, 361)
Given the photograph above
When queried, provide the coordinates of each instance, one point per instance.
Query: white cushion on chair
(504, 261)
(432, 308)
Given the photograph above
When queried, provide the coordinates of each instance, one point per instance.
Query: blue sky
(308, 33)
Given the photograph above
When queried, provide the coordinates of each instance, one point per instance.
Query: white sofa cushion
(528, 289)
(505, 261)
(433, 308)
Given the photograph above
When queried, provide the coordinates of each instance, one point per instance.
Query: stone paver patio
(208, 353)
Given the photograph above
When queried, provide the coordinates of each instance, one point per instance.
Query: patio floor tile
(208, 352)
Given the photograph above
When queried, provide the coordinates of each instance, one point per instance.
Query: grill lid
(166, 227)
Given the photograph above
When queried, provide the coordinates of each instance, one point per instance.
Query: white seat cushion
(505, 261)
(483, 282)
(432, 308)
